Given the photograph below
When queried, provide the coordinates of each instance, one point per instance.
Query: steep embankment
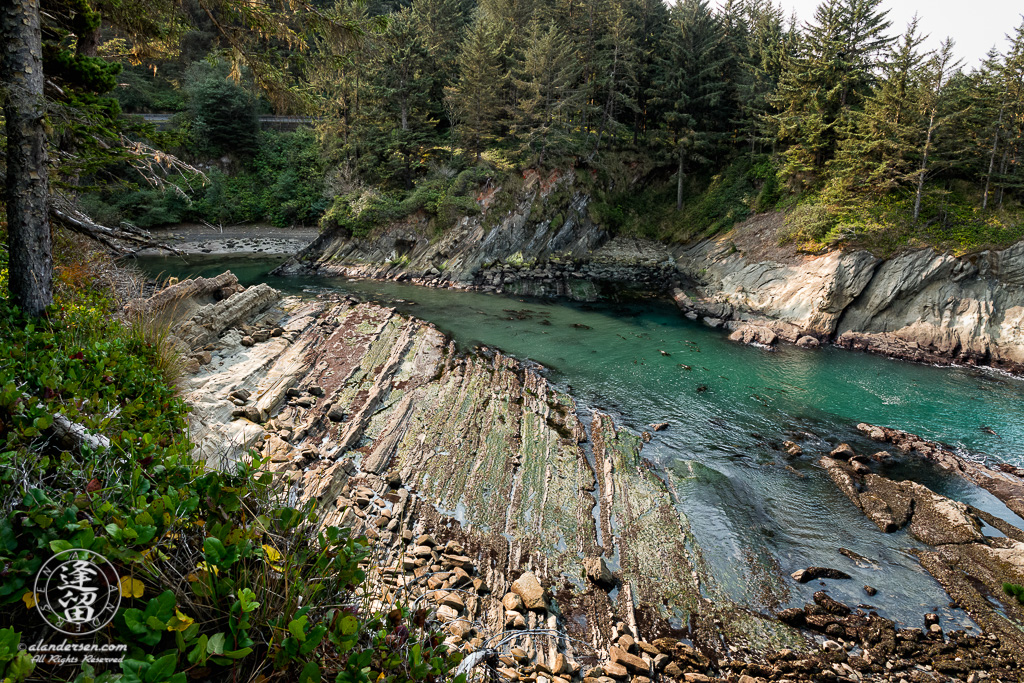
(920, 305)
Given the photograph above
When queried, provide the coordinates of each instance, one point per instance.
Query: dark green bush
(219, 577)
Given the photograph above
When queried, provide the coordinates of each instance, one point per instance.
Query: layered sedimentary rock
(489, 496)
(920, 305)
(971, 566)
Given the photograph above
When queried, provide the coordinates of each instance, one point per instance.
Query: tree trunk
(924, 167)
(992, 160)
(679, 183)
(28, 224)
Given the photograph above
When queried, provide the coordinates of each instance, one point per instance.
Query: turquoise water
(729, 408)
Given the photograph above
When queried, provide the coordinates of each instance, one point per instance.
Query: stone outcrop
(469, 474)
(920, 305)
(378, 419)
(970, 565)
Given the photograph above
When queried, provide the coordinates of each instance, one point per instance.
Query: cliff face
(530, 230)
(920, 305)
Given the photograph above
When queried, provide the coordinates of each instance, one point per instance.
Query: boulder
(514, 620)
(812, 573)
(631, 662)
(454, 601)
(808, 342)
(843, 452)
(598, 572)
(616, 670)
(529, 589)
(831, 605)
(754, 334)
(512, 602)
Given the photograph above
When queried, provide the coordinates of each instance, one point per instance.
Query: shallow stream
(729, 408)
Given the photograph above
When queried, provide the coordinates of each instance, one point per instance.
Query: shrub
(806, 223)
(219, 576)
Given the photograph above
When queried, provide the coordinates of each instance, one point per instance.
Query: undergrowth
(884, 225)
(219, 577)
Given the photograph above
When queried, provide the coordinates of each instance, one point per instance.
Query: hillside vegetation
(685, 118)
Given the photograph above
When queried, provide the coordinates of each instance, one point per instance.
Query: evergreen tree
(441, 25)
(475, 99)
(615, 83)
(828, 78)
(880, 153)
(549, 97)
(940, 70)
(399, 86)
(691, 88)
(651, 19)
(1009, 175)
(761, 56)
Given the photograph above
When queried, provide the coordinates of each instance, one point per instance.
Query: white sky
(974, 25)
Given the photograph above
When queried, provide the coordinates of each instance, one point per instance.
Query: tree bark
(679, 183)
(28, 225)
(924, 167)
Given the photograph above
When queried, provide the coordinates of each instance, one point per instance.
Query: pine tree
(827, 79)
(691, 88)
(761, 57)
(549, 95)
(399, 86)
(651, 19)
(475, 99)
(441, 25)
(1009, 174)
(616, 81)
(939, 72)
(880, 153)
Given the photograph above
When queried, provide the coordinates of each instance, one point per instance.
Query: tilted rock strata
(470, 472)
(962, 557)
(920, 305)
(1005, 482)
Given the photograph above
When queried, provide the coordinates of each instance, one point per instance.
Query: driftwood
(63, 212)
(78, 434)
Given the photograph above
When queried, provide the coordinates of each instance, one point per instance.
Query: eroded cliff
(919, 305)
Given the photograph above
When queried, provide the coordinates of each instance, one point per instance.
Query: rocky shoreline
(199, 240)
(920, 305)
(545, 542)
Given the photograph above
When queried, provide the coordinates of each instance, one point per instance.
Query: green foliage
(710, 204)
(219, 576)
(884, 225)
(15, 664)
(282, 185)
(221, 112)
(807, 223)
(1014, 590)
(144, 91)
(443, 198)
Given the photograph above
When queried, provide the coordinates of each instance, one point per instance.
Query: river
(729, 408)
